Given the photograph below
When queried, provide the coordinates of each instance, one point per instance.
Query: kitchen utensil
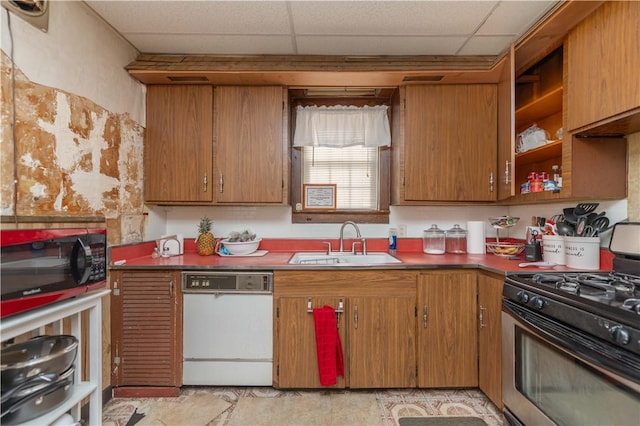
(43, 354)
(32, 402)
(580, 226)
(583, 209)
(565, 229)
(598, 225)
(569, 215)
(538, 264)
(30, 383)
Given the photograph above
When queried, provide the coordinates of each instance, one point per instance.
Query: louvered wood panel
(149, 355)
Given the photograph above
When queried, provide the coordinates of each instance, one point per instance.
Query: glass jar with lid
(456, 240)
(433, 240)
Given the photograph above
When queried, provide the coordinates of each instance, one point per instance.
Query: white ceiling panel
(389, 17)
(340, 45)
(195, 17)
(511, 17)
(203, 44)
(322, 27)
(485, 45)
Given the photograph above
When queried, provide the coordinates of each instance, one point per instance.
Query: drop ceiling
(321, 27)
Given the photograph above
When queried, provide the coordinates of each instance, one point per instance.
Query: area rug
(441, 421)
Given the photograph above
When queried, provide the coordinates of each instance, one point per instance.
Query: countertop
(138, 256)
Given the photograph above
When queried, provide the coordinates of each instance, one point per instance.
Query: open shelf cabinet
(34, 322)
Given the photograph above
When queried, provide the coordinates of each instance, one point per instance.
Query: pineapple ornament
(206, 243)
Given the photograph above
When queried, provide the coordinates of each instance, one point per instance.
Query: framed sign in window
(318, 196)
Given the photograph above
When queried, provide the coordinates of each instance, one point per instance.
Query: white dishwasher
(227, 328)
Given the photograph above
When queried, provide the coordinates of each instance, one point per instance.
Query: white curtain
(342, 126)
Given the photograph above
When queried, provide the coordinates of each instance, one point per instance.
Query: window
(354, 170)
(346, 150)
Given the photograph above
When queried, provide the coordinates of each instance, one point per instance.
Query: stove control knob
(538, 302)
(619, 335)
(522, 296)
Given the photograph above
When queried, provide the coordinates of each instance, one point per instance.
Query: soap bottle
(393, 240)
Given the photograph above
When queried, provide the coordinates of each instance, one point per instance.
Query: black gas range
(571, 342)
(602, 304)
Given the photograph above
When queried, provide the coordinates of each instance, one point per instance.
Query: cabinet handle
(221, 183)
(482, 309)
(205, 182)
(355, 316)
(425, 315)
(507, 172)
(171, 288)
(491, 182)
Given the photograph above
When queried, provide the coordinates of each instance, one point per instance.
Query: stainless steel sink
(342, 259)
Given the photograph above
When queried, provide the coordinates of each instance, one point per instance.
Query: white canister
(582, 252)
(553, 249)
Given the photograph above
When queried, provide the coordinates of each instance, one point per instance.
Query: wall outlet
(402, 230)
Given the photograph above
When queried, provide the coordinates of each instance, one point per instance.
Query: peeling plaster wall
(79, 121)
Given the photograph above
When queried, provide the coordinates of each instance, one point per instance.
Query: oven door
(555, 375)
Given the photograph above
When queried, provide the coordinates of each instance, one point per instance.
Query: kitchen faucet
(358, 235)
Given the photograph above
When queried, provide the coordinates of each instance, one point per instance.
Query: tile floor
(218, 406)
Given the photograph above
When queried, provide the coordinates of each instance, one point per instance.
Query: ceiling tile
(486, 45)
(353, 45)
(389, 17)
(514, 17)
(195, 17)
(210, 44)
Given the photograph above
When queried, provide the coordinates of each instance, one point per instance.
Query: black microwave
(43, 266)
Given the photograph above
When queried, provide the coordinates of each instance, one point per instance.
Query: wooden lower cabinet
(297, 365)
(448, 334)
(382, 351)
(377, 329)
(146, 327)
(490, 336)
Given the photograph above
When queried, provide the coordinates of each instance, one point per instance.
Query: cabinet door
(297, 357)
(450, 143)
(603, 63)
(490, 337)
(147, 329)
(448, 337)
(249, 144)
(178, 146)
(382, 351)
(505, 179)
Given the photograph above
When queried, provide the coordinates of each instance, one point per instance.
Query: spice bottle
(456, 240)
(433, 240)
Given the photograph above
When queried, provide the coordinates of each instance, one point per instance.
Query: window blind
(353, 169)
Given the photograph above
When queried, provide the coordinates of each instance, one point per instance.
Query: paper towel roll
(475, 237)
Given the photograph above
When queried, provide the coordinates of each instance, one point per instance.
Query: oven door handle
(595, 351)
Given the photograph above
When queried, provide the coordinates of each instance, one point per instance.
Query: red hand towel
(328, 345)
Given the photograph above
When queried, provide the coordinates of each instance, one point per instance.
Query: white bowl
(241, 247)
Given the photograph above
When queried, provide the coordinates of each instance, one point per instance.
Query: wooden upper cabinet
(450, 143)
(178, 147)
(603, 63)
(505, 180)
(250, 145)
